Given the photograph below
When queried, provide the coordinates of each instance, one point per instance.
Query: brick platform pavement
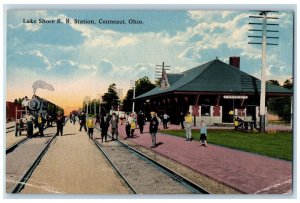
(246, 172)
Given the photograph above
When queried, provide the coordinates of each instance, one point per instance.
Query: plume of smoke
(42, 85)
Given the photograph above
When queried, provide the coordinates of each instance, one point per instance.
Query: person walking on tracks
(97, 119)
(188, 119)
(82, 121)
(90, 125)
(203, 134)
(153, 128)
(40, 121)
(114, 126)
(72, 118)
(29, 124)
(60, 121)
(104, 126)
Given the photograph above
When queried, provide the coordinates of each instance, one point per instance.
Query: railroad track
(142, 174)
(12, 147)
(22, 161)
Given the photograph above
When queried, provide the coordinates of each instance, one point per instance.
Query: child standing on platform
(132, 127)
(203, 134)
(90, 125)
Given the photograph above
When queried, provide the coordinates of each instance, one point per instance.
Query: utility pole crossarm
(159, 72)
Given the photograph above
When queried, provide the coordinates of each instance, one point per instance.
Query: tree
(18, 101)
(288, 84)
(142, 86)
(274, 82)
(110, 99)
(281, 106)
(127, 102)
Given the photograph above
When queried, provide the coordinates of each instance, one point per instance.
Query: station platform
(246, 172)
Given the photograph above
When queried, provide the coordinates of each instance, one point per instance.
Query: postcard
(110, 102)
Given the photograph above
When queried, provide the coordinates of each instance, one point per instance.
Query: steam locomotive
(37, 106)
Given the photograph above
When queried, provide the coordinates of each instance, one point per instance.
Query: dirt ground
(73, 165)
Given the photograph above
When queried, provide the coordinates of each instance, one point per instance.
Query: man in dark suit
(60, 121)
(82, 121)
(153, 128)
(141, 121)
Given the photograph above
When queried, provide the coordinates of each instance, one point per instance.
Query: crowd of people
(40, 122)
(111, 122)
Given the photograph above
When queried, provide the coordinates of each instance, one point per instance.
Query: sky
(81, 60)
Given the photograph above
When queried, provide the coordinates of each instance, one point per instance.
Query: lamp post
(86, 100)
(132, 84)
(99, 103)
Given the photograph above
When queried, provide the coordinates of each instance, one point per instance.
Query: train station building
(210, 92)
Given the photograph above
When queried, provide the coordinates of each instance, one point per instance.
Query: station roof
(214, 77)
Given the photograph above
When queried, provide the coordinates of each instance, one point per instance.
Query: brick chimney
(234, 61)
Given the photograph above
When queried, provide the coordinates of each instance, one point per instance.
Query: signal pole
(262, 106)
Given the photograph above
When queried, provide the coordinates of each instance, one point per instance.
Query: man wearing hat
(40, 121)
(29, 123)
(60, 121)
(90, 125)
(114, 126)
(188, 119)
(25, 103)
(153, 128)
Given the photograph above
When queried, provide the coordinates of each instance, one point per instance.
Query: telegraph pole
(264, 43)
(159, 71)
(132, 84)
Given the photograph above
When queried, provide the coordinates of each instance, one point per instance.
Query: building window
(205, 110)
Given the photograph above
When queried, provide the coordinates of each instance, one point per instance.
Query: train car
(36, 106)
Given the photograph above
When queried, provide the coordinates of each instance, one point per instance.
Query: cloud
(33, 59)
(38, 33)
(104, 67)
(16, 17)
(205, 15)
(189, 53)
(64, 68)
(109, 39)
(33, 27)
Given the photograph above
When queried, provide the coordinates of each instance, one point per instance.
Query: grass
(277, 145)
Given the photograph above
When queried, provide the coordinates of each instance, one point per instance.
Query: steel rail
(28, 173)
(173, 173)
(115, 167)
(11, 148)
(170, 172)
